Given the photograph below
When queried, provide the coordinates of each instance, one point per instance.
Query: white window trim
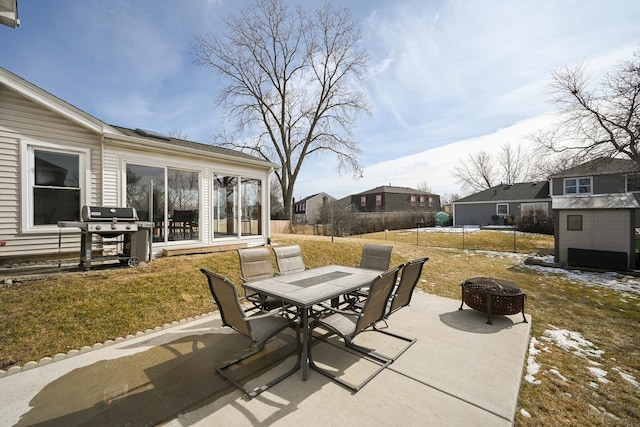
(577, 179)
(498, 208)
(524, 207)
(27, 173)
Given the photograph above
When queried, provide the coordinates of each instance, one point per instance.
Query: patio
(460, 370)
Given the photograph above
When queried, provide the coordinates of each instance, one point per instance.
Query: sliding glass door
(167, 197)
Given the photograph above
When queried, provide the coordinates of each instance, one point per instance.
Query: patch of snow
(627, 377)
(610, 280)
(600, 374)
(558, 374)
(525, 413)
(593, 385)
(573, 342)
(532, 366)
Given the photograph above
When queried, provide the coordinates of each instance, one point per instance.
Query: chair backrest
(375, 306)
(376, 257)
(408, 281)
(289, 259)
(225, 295)
(183, 216)
(255, 264)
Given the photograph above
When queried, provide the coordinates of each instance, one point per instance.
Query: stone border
(61, 356)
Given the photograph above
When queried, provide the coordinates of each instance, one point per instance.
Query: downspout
(101, 167)
(268, 210)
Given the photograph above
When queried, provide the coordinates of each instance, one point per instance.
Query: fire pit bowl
(493, 296)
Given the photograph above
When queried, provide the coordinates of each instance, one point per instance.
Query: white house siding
(117, 156)
(603, 230)
(22, 120)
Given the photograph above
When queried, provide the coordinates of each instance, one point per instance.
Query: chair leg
(251, 394)
(411, 341)
(368, 354)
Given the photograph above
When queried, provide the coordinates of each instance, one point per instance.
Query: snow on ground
(575, 343)
(610, 280)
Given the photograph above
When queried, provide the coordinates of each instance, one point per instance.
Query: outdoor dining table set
(342, 300)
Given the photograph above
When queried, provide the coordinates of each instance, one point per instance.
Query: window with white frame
(55, 188)
(502, 209)
(378, 199)
(633, 182)
(363, 201)
(580, 185)
(413, 199)
(532, 208)
(423, 201)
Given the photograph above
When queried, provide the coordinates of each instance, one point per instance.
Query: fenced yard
(585, 346)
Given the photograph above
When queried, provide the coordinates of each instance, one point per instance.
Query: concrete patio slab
(460, 371)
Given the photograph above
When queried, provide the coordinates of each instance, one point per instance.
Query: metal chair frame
(259, 328)
(401, 297)
(348, 325)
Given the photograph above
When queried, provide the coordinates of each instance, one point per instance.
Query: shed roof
(511, 192)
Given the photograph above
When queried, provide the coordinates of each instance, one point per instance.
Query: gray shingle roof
(600, 166)
(511, 192)
(392, 189)
(191, 144)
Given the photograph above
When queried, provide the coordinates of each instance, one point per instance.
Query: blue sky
(446, 78)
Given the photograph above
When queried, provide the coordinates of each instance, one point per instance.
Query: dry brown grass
(62, 312)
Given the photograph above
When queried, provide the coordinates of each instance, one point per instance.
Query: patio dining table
(310, 287)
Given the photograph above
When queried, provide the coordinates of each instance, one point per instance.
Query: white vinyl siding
(22, 120)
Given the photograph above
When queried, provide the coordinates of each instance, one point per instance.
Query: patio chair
(348, 324)
(401, 297)
(374, 257)
(289, 259)
(255, 264)
(260, 328)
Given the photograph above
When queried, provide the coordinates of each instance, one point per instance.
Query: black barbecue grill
(111, 223)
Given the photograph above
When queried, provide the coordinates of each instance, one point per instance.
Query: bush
(536, 222)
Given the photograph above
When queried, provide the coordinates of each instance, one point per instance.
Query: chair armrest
(337, 310)
(275, 312)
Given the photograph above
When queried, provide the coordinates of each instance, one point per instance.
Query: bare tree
(277, 209)
(477, 173)
(423, 186)
(484, 170)
(596, 122)
(291, 83)
(513, 163)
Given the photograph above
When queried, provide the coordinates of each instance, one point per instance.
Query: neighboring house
(499, 205)
(596, 213)
(55, 159)
(310, 210)
(393, 199)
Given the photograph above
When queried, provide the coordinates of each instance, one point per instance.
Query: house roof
(392, 189)
(511, 192)
(126, 135)
(162, 139)
(9, 13)
(600, 166)
(314, 195)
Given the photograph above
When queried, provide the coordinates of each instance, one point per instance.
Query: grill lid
(104, 213)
